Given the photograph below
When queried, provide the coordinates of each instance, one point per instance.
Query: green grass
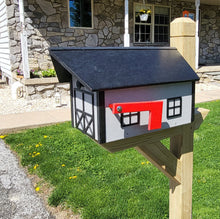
(99, 184)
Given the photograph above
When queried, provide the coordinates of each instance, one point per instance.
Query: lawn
(99, 184)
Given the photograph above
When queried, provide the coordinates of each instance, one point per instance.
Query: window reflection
(80, 12)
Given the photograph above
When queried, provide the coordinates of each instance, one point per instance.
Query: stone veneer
(47, 26)
(43, 88)
(210, 35)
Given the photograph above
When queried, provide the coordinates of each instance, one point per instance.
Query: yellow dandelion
(30, 154)
(38, 153)
(78, 169)
(72, 177)
(37, 145)
(2, 136)
(147, 162)
(45, 136)
(36, 166)
(63, 165)
(142, 163)
(34, 152)
(37, 189)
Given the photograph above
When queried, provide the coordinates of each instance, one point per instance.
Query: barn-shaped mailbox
(124, 92)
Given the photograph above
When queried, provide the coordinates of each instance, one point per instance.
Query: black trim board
(101, 117)
(71, 101)
(193, 101)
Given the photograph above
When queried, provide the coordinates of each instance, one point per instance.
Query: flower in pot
(143, 14)
(19, 73)
(35, 73)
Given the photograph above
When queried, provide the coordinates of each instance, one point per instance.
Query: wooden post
(180, 202)
(182, 36)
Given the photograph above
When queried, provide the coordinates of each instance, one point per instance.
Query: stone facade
(210, 35)
(47, 25)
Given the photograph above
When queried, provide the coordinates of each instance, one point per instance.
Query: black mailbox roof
(102, 68)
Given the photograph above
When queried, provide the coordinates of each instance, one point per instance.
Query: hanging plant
(144, 14)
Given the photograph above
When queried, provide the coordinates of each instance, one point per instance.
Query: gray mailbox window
(84, 111)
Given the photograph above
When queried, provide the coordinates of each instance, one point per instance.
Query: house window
(80, 13)
(156, 28)
(128, 119)
(174, 107)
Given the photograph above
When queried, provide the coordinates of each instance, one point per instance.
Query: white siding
(5, 63)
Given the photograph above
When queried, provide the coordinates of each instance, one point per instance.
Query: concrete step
(2, 82)
(217, 78)
(211, 68)
(213, 73)
(209, 73)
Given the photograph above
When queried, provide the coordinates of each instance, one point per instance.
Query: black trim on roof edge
(112, 48)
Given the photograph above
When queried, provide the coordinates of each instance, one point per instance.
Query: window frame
(92, 17)
(129, 117)
(152, 25)
(174, 99)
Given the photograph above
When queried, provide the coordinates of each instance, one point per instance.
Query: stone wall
(210, 35)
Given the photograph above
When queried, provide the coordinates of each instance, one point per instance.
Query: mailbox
(117, 93)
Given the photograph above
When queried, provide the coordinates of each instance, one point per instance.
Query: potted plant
(19, 74)
(49, 73)
(143, 14)
(35, 73)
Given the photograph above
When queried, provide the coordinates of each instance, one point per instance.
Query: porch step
(2, 83)
(213, 73)
(217, 78)
(209, 73)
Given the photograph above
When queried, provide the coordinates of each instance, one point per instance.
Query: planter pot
(143, 17)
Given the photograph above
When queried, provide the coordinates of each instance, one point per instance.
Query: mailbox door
(84, 111)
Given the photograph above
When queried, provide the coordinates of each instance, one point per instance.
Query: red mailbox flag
(154, 107)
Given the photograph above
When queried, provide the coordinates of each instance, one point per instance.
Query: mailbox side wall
(114, 131)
